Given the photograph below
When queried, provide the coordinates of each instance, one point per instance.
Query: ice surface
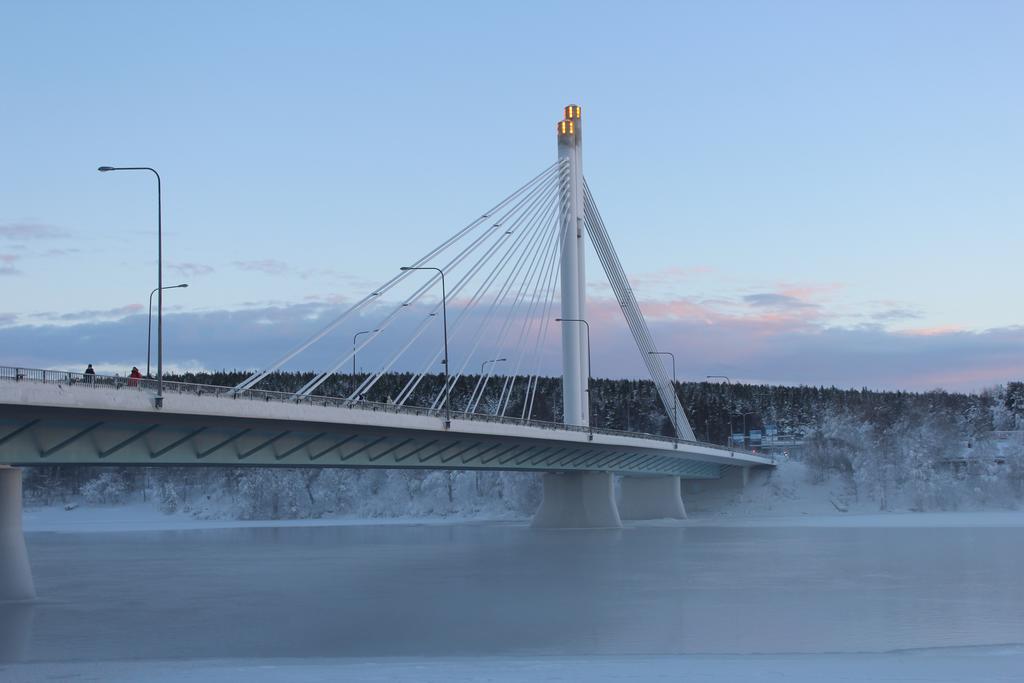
(981, 665)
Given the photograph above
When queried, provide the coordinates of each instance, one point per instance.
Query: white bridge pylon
(502, 273)
(575, 329)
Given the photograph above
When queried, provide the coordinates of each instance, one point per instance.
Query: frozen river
(500, 590)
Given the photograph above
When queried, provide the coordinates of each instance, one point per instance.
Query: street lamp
(159, 401)
(444, 317)
(354, 337)
(149, 327)
(493, 360)
(675, 403)
(744, 416)
(590, 374)
(729, 382)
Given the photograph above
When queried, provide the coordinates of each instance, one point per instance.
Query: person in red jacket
(133, 379)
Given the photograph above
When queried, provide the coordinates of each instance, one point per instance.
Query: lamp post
(493, 360)
(729, 382)
(444, 318)
(753, 412)
(675, 403)
(149, 327)
(590, 374)
(354, 337)
(744, 416)
(159, 401)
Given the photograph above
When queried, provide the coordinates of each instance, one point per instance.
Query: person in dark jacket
(89, 370)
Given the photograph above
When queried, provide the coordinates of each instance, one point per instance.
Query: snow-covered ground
(146, 517)
(953, 665)
(786, 497)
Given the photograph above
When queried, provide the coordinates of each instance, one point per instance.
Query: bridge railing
(149, 385)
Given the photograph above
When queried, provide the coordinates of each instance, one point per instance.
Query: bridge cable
(521, 235)
(524, 238)
(496, 304)
(634, 317)
(426, 287)
(538, 220)
(529, 321)
(527, 412)
(310, 386)
(257, 377)
(540, 249)
(456, 326)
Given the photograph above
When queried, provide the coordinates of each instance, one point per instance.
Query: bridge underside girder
(51, 436)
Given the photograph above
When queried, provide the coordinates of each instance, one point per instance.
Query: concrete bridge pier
(733, 480)
(578, 500)
(651, 498)
(15, 573)
(15, 631)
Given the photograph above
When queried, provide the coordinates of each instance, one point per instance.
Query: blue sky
(802, 192)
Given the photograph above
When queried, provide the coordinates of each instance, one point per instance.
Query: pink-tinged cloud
(713, 312)
(932, 331)
(777, 301)
(806, 291)
(31, 231)
(748, 345)
(897, 313)
(7, 264)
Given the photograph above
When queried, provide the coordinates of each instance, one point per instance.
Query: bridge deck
(61, 419)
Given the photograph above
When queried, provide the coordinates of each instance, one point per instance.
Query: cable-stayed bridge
(505, 288)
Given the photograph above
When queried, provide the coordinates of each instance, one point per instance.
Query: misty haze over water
(506, 589)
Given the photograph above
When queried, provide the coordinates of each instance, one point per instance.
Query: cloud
(894, 314)
(266, 266)
(280, 268)
(814, 290)
(81, 316)
(773, 300)
(188, 269)
(31, 231)
(672, 275)
(7, 264)
(932, 331)
(761, 347)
